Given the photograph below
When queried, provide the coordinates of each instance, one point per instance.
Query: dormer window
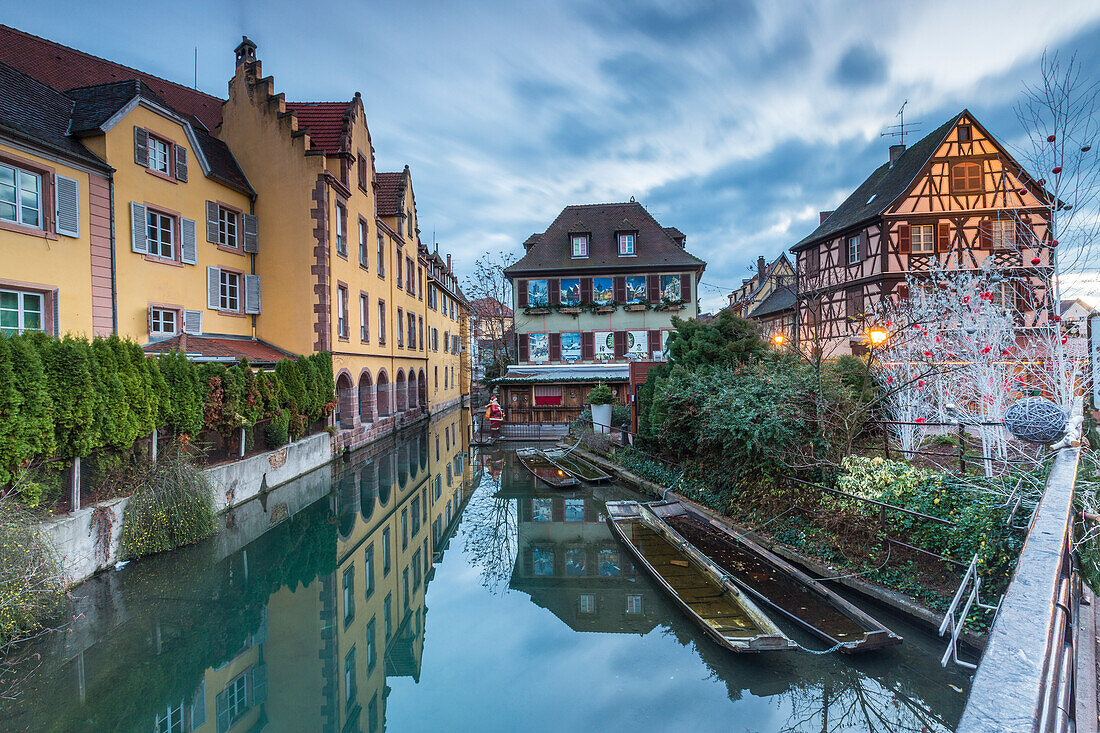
(578, 245)
(626, 244)
(964, 134)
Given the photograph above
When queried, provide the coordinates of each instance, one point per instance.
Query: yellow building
(247, 227)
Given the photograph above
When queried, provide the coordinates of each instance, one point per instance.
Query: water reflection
(309, 612)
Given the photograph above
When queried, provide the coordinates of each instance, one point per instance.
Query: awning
(227, 349)
(566, 373)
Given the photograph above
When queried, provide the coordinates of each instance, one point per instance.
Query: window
(381, 322)
(349, 595)
(853, 249)
(587, 603)
(410, 279)
(964, 134)
(385, 551)
(547, 395)
(341, 234)
(420, 325)
(351, 690)
(368, 570)
(446, 385)
(171, 721)
(412, 330)
(633, 604)
(580, 245)
(342, 311)
(381, 256)
(1002, 233)
(20, 311)
(227, 227)
(160, 233)
(446, 341)
(420, 283)
(387, 615)
(364, 318)
(20, 197)
(966, 178)
(159, 156)
(163, 321)
(417, 572)
(232, 703)
(922, 239)
(405, 586)
(363, 257)
(400, 331)
(228, 299)
(397, 267)
(405, 528)
(626, 244)
(372, 654)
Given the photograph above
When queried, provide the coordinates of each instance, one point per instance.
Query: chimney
(824, 215)
(895, 153)
(761, 265)
(245, 52)
(448, 263)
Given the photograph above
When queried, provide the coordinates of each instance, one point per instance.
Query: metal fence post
(76, 484)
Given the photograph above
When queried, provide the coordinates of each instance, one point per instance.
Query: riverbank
(875, 592)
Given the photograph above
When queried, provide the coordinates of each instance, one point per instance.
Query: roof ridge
(25, 34)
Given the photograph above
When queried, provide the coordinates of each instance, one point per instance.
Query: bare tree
(492, 531)
(490, 295)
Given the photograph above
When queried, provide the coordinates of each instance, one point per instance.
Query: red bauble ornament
(928, 353)
(920, 382)
(1056, 169)
(1065, 339)
(1022, 192)
(1042, 181)
(919, 420)
(1051, 138)
(1035, 260)
(987, 349)
(1056, 318)
(1054, 243)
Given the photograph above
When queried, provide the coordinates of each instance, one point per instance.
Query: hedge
(64, 398)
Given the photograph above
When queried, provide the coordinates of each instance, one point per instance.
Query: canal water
(425, 585)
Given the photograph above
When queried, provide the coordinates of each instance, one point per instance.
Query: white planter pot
(601, 418)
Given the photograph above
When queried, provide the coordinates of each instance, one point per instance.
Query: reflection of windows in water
(609, 563)
(574, 561)
(171, 721)
(633, 604)
(574, 510)
(542, 561)
(540, 510)
(587, 603)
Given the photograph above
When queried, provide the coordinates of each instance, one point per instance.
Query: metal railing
(974, 580)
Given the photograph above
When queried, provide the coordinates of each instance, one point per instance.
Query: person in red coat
(494, 414)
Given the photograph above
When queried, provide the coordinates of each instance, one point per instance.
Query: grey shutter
(252, 233)
(141, 146)
(188, 244)
(213, 228)
(192, 322)
(56, 311)
(259, 684)
(213, 288)
(181, 163)
(252, 294)
(67, 197)
(139, 237)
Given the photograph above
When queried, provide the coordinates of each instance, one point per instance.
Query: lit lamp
(778, 339)
(877, 336)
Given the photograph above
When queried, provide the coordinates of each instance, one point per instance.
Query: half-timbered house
(956, 200)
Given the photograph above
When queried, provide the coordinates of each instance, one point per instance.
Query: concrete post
(153, 445)
(240, 452)
(76, 483)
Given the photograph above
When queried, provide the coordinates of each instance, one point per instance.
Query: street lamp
(877, 336)
(778, 339)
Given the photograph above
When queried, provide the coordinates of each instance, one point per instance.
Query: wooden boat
(775, 583)
(699, 587)
(576, 466)
(544, 470)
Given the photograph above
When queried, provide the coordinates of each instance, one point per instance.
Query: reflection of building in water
(569, 562)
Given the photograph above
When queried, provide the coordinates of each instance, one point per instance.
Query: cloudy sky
(735, 121)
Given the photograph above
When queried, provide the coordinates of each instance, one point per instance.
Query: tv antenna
(902, 127)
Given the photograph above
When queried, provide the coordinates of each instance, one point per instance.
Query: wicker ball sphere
(1035, 420)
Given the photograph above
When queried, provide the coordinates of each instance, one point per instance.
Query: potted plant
(600, 399)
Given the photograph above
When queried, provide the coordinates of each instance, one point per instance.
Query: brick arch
(383, 394)
(400, 392)
(347, 401)
(366, 396)
(422, 389)
(410, 391)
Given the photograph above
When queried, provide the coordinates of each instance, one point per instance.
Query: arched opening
(402, 466)
(347, 504)
(412, 390)
(422, 388)
(346, 407)
(385, 479)
(366, 397)
(382, 394)
(399, 392)
(368, 491)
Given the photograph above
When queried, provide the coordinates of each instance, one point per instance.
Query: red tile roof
(65, 68)
(204, 348)
(391, 186)
(325, 121)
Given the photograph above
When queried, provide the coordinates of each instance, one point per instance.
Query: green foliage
(183, 413)
(26, 429)
(276, 432)
(600, 395)
(325, 384)
(74, 387)
(728, 340)
(172, 505)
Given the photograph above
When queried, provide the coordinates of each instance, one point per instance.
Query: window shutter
(252, 233)
(555, 347)
(521, 293)
(259, 684)
(903, 291)
(685, 288)
(588, 345)
(67, 199)
(586, 290)
(864, 245)
(653, 288)
(620, 344)
(181, 163)
(213, 287)
(141, 146)
(55, 298)
(188, 242)
(654, 342)
(252, 296)
(905, 240)
(553, 287)
(523, 347)
(192, 322)
(620, 290)
(212, 225)
(985, 234)
(139, 241)
(149, 319)
(943, 236)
